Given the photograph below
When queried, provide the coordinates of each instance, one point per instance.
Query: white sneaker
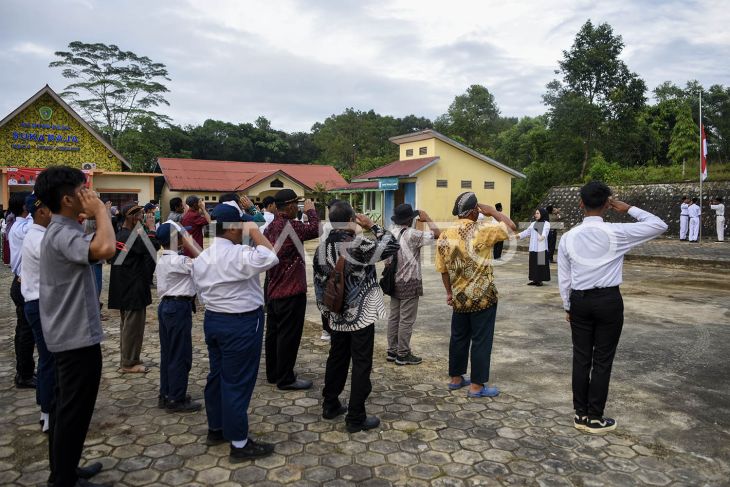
(325, 336)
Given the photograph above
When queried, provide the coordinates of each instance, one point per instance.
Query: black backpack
(387, 280)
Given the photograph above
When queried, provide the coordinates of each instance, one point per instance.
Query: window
(120, 199)
(207, 198)
(276, 183)
(214, 198)
(488, 184)
(442, 183)
(465, 184)
(422, 151)
(409, 152)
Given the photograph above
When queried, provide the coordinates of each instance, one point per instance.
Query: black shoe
(391, 357)
(538, 283)
(369, 423)
(408, 359)
(162, 401)
(598, 426)
(333, 413)
(579, 421)
(184, 406)
(297, 385)
(531, 283)
(86, 483)
(25, 383)
(215, 437)
(251, 450)
(90, 471)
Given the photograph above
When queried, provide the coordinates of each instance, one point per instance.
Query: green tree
(598, 94)
(475, 117)
(112, 87)
(684, 144)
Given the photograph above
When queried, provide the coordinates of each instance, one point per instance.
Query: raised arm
(487, 210)
(103, 243)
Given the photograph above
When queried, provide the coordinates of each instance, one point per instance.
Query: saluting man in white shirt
(684, 218)
(719, 207)
(30, 276)
(590, 264)
(226, 275)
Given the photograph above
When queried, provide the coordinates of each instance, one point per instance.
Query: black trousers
(596, 320)
(284, 326)
(24, 340)
(78, 373)
(497, 250)
(476, 331)
(345, 346)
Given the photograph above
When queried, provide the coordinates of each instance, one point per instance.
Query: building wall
(264, 189)
(663, 200)
(430, 145)
(455, 166)
(143, 185)
(41, 153)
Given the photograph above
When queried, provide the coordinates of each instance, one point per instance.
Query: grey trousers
(403, 314)
(131, 331)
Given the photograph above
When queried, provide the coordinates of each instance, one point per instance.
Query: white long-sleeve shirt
(684, 209)
(719, 209)
(15, 240)
(226, 276)
(174, 275)
(591, 255)
(30, 271)
(694, 211)
(536, 243)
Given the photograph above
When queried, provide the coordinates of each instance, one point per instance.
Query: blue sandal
(464, 382)
(484, 392)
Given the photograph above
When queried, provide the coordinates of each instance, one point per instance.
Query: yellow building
(45, 131)
(431, 172)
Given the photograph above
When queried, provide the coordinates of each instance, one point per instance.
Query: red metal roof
(398, 168)
(358, 185)
(203, 175)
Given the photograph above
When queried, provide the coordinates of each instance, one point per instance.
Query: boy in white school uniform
(590, 265)
(226, 276)
(694, 220)
(684, 218)
(719, 207)
(176, 290)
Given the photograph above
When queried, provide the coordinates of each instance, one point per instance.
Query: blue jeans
(46, 380)
(234, 347)
(477, 329)
(176, 347)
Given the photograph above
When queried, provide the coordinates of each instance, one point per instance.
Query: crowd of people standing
(55, 279)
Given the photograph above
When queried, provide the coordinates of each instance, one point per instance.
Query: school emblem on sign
(46, 113)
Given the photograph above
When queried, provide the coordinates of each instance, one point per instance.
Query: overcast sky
(297, 62)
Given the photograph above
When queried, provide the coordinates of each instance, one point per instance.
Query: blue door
(410, 194)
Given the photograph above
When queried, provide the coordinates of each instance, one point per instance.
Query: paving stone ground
(428, 436)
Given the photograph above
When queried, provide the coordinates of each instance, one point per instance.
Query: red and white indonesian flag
(703, 153)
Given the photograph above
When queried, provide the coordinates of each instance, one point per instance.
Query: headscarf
(540, 223)
(465, 203)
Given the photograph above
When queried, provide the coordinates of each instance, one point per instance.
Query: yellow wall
(455, 166)
(430, 145)
(142, 184)
(90, 149)
(264, 189)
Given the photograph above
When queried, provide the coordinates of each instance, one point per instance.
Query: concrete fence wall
(662, 200)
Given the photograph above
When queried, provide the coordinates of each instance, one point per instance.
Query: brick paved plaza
(670, 394)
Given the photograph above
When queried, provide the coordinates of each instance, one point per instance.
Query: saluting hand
(618, 206)
(91, 203)
(364, 221)
(308, 205)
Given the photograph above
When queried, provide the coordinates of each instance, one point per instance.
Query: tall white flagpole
(702, 153)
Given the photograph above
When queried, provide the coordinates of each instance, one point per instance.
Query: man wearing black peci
(590, 264)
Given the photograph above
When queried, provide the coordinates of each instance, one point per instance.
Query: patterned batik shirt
(465, 252)
(363, 297)
(408, 277)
